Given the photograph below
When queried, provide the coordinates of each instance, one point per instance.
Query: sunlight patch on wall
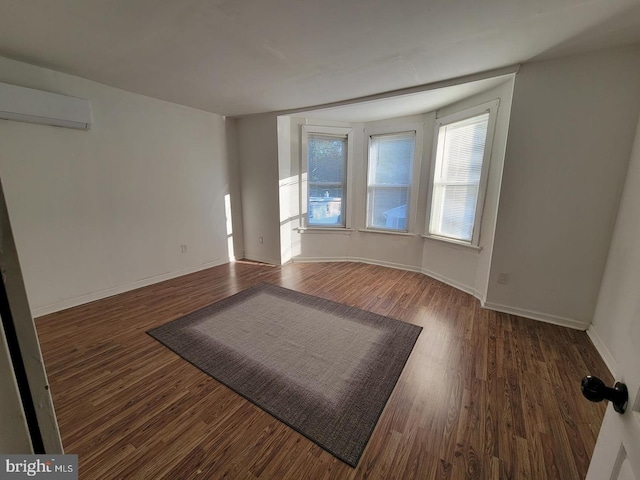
(227, 214)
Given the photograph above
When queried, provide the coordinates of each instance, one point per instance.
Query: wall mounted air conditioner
(35, 106)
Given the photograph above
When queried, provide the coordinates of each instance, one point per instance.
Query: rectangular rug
(321, 367)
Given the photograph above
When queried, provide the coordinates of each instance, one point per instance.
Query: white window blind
(389, 180)
(456, 181)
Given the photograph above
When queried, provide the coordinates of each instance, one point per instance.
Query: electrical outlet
(503, 278)
(183, 248)
(260, 239)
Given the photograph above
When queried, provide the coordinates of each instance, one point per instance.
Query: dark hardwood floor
(484, 395)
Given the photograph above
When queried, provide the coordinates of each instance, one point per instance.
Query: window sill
(453, 243)
(338, 230)
(387, 232)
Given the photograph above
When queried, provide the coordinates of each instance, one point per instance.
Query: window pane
(388, 207)
(462, 150)
(458, 168)
(323, 191)
(327, 158)
(389, 180)
(455, 207)
(327, 161)
(391, 159)
(326, 209)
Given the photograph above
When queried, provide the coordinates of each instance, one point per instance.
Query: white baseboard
(91, 297)
(257, 258)
(453, 283)
(543, 317)
(399, 266)
(381, 263)
(300, 259)
(604, 352)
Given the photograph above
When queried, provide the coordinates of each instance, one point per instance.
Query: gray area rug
(323, 368)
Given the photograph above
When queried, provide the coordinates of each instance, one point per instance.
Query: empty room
(286, 239)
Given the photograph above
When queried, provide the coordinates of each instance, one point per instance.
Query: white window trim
(492, 108)
(304, 183)
(418, 128)
(387, 232)
(451, 242)
(338, 230)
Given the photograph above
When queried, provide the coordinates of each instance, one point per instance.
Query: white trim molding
(338, 230)
(381, 263)
(387, 232)
(399, 266)
(533, 315)
(258, 258)
(452, 283)
(543, 317)
(449, 242)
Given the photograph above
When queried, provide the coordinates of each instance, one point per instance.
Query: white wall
(258, 153)
(100, 212)
(616, 321)
(288, 188)
(572, 126)
(235, 228)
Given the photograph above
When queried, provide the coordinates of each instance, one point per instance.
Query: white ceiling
(246, 56)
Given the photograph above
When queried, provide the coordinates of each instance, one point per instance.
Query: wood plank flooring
(484, 395)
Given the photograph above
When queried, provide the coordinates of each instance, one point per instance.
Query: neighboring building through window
(326, 173)
(459, 174)
(390, 174)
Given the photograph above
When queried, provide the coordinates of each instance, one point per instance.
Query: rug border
(266, 410)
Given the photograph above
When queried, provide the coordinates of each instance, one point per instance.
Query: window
(459, 174)
(327, 152)
(390, 173)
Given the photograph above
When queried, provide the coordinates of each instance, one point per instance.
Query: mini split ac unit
(35, 106)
